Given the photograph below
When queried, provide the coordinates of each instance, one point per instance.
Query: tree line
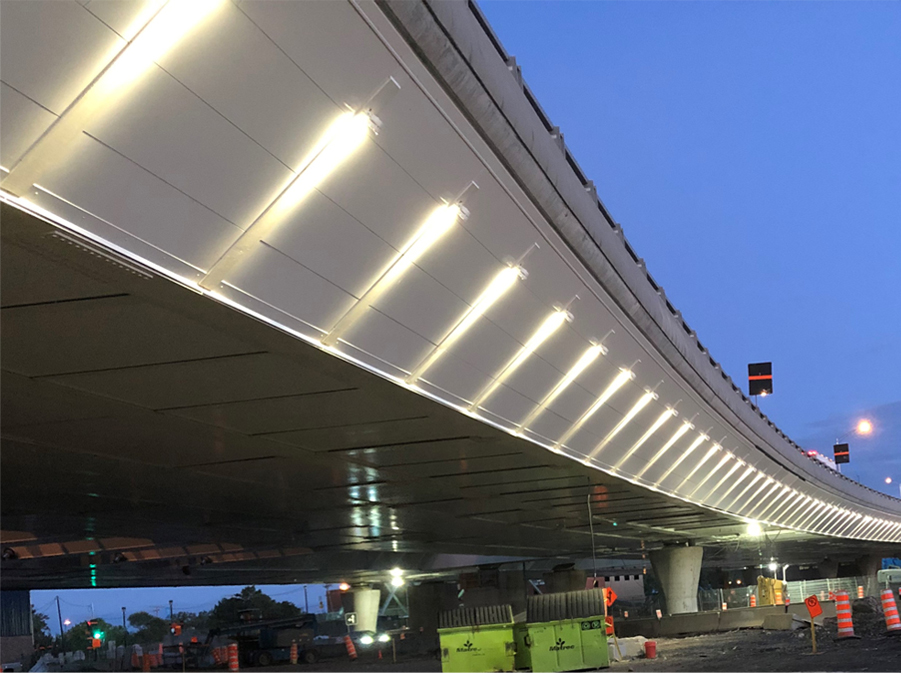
(148, 628)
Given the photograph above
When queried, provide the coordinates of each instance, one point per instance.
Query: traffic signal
(175, 629)
(841, 454)
(760, 378)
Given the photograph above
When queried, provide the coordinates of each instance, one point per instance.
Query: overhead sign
(760, 378)
(813, 606)
(841, 453)
(350, 618)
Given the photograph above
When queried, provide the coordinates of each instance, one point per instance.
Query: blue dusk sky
(752, 153)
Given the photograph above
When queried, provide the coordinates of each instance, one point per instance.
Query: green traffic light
(98, 635)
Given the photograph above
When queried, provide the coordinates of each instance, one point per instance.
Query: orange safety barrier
(351, 650)
(292, 657)
(859, 591)
(217, 656)
(753, 601)
(135, 661)
(233, 656)
(843, 611)
(778, 594)
(145, 662)
(725, 607)
(890, 610)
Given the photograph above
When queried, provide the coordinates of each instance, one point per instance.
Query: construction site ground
(742, 650)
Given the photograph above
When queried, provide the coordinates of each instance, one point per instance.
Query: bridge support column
(424, 602)
(678, 570)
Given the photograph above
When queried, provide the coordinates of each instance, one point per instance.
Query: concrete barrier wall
(709, 622)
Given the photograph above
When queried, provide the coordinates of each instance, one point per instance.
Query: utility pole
(171, 617)
(125, 637)
(59, 613)
(306, 601)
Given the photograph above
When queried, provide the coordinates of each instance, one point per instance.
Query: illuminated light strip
(499, 286)
(784, 492)
(812, 515)
(722, 480)
(707, 456)
(852, 525)
(848, 519)
(814, 522)
(821, 520)
(803, 510)
(56, 220)
(588, 357)
(677, 435)
(342, 139)
(550, 325)
(862, 525)
(438, 223)
(162, 31)
(760, 475)
(725, 459)
(746, 503)
(617, 383)
(879, 530)
(663, 418)
(763, 501)
(796, 495)
(700, 439)
(735, 484)
(642, 402)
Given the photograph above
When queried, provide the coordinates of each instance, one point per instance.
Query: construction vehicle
(264, 642)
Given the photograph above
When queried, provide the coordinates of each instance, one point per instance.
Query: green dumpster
(569, 637)
(477, 639)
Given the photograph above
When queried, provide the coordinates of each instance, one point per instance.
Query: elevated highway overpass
(305, 291)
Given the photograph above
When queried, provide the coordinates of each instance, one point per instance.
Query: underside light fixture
(735, 484)
(749, 500)
(811, 513)
(773, 502)
(160, 31)
(750, 485)
(700, 439)
(754, 529)
(661, 419)
(677, 435)
(642, 402)
(340, 141)
(496, 289)
(397, 577)
(786, 505)
(617, 383)
(588, 357)
(725, 459)
(802, 510)
(707, 456)
(725, 477)
(438, 223)
(765, 499)
(550, 325)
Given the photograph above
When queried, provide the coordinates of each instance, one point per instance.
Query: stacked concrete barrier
(890, 610)
(843, 612)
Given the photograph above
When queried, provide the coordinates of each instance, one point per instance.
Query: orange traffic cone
(843, 611)
(890, 610)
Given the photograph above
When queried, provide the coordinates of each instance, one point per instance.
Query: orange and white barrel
(753, 600)
(725, 606)
(233, 656)
(145, 662)
(779, 594)
(859, 591)
(843, 612)
(890, 610)
(217, 656)
(351, 650)
(293, 656)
